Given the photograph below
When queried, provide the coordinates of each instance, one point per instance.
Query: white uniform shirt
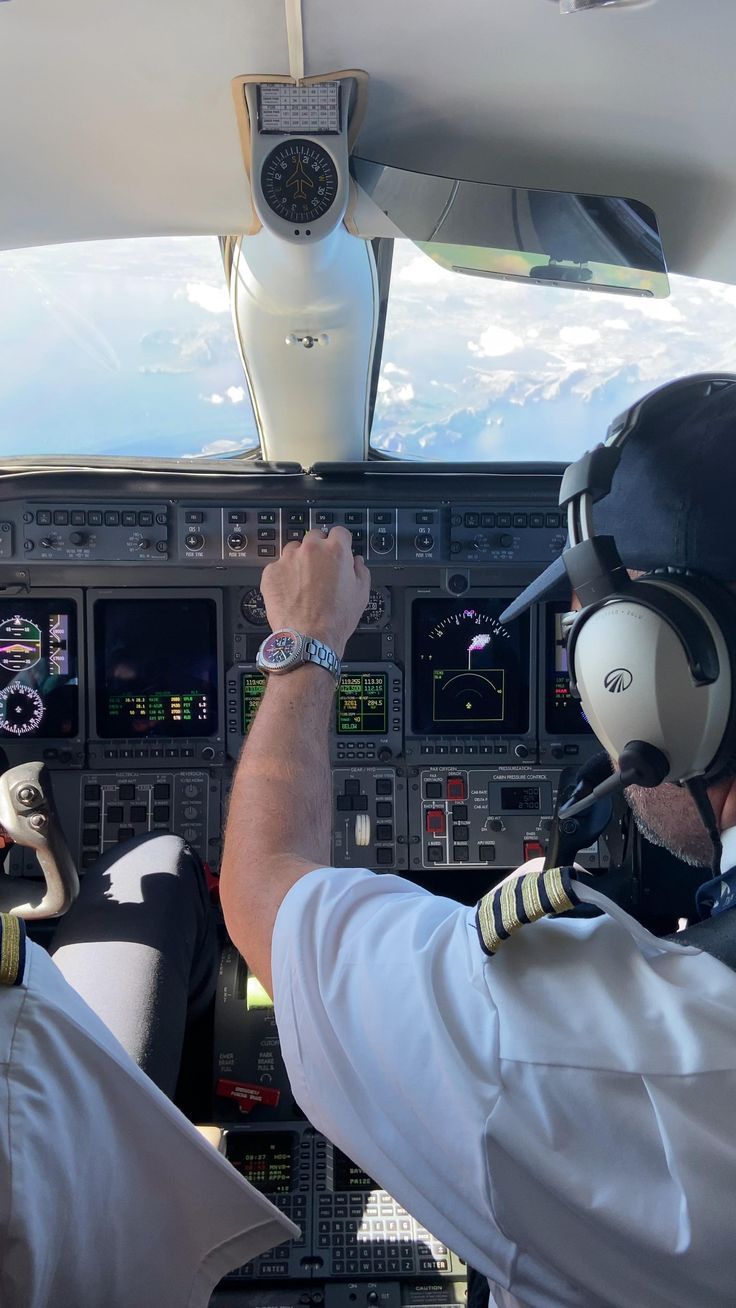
(561, 1114)
(109, 1198)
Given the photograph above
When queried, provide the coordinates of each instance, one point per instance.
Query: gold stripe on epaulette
(522, 900)
(12, 950)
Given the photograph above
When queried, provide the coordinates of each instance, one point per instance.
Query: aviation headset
(652, 660)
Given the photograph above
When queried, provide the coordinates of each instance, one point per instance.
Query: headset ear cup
(721, 604)
(633, 666)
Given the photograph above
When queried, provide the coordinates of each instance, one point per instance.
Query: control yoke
(28, 817)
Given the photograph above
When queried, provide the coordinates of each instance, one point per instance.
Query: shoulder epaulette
(515, 903)
(12, 950)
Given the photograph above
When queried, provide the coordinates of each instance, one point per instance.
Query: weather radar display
(470, 673)
(38, 668)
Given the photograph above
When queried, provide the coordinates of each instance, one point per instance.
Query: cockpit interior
(269, 267)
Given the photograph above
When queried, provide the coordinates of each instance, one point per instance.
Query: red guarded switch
(533, 849)
(455, 790)
(436, 821)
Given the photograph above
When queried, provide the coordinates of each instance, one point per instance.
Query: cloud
(495, 342)
(233, 395)
(423, 271)
(392, 369)
(213, 299)
(394, 392)
(174, 352)
(224, 446)
(579, 335)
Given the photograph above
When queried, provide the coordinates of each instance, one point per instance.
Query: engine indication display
(563, 714)
(39, 684)
(156, 667)
(470, 673)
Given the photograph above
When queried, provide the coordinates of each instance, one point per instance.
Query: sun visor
(557, 238)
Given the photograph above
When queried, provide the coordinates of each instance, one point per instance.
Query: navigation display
(265, 1158)
(39, 676)
(470, 674)
(156, 667)
(563, 714)
(362, 704)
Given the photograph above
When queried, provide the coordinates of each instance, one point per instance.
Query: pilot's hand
(318, 588)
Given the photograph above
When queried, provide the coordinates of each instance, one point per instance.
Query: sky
(127, 347)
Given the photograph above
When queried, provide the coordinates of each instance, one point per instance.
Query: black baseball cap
(673, 494)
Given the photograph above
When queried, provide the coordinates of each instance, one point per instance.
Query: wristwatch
(287, 649)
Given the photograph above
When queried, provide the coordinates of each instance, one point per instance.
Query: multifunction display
(362, 704)
(252, 686)
(39, 679)
(470, 673)
(563, 714)
(346, 1175)
(156, 667)
(265, 1158)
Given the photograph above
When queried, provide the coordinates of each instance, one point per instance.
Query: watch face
(280, 649)
(299, 181)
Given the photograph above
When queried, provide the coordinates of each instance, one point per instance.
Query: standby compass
(299, 181)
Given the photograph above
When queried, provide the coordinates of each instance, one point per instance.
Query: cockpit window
(479, 369)
(120, 348)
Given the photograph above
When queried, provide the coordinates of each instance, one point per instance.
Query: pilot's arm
(279, 823)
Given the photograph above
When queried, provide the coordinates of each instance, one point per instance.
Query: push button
(436, 822)
(455, 789)
(486, 853)
(533, 849)
(433, 790)
(434, 853)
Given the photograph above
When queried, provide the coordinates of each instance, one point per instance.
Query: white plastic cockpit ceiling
(117, 118)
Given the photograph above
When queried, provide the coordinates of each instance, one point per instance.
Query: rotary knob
(382, 542)
(194, 540)
(424, 541)
(78, 537)
(237, 541)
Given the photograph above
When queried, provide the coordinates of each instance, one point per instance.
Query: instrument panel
(129, 626)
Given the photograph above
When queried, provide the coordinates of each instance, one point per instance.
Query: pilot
(108, 1195)
(551, 1096)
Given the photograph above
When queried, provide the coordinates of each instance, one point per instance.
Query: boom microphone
(640, 764)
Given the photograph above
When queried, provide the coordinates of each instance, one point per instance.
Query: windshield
(120, 348)
(127, 348)
(476, 369)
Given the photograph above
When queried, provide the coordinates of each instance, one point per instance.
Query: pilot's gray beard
(654, 837)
